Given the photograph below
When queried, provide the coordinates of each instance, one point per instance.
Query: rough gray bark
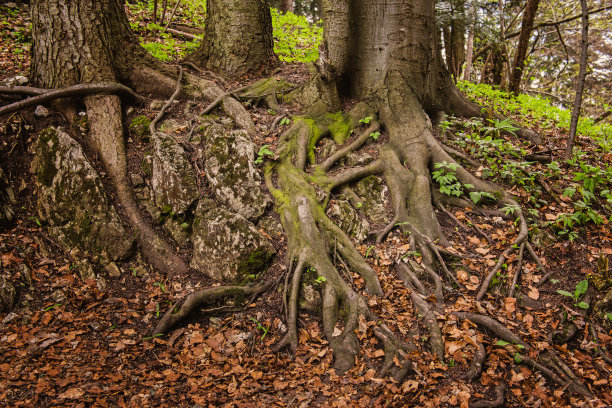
(237, 37)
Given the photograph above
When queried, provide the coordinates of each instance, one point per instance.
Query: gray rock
(137, 179)
(178, 230)
(173, 180)
(174, 126)
(227, 246)
(41, 111)
(156, 105)
(326, 148)
(9, 318)
(18, 80)
(72, 200)
(112, 270)
(310, 299)
(231, 171)
(374, 194)
(355, 159)
(349, 220)
(7, 200)
(7, 295)
(85, 269)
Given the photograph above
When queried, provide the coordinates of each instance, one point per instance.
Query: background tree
(529, 15)
(228, 47)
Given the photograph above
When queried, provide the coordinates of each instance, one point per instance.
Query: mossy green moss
(48, 143)
(139, 128)
(340, 126)
(255, 263)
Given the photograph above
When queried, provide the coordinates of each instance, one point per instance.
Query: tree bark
(580, 80)
(469, 52)
(237, 37)
(529, 14)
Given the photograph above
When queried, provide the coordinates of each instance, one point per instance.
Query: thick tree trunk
(521, 51)
(237, 37)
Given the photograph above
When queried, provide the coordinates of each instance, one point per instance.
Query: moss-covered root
(182, 309)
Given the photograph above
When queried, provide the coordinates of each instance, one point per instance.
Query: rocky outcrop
(227, 246)
(231, 171)
(71, 199)
(173, 179)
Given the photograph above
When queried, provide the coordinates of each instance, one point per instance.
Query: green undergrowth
(295, 38)
(536, 112)
(583, 183)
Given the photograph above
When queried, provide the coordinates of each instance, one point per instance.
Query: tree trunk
(456, 45)
(580, 80)
(529, 14)
(287, 6)
(237, 37)
(469, 52)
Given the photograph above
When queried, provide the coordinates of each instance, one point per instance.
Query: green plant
(295, 38)
(320, 280)
(46, 309)
(581, 288)
(261, 327)
(263, 152)
(445, 176)
(161, 286)
(365, 120)
(374, 135)
(500, 126)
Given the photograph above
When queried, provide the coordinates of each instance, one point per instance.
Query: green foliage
(365, 120)
(581, 288)
(536, 110)
(374, 135)
(295, 38)
(445, 176)
(264, 329)
(263, 152)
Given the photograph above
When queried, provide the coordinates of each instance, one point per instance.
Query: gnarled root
(182, 309)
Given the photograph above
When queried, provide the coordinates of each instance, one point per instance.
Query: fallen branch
(69, 92)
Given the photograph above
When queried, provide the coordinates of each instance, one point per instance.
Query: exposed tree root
(302, 186)
(182, 309)
(500, 398)
(46, 95)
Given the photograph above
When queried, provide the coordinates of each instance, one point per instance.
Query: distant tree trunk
(469, 52)
(521, 51)
(287, 6)
(454, 39)
(580, 80)
(237, 37)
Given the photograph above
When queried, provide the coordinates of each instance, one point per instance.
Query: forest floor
(66, 343)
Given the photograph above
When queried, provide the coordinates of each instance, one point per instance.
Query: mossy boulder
(7, 200)
(173, 179)
(227, 246)
(72, 200)
(231, 171)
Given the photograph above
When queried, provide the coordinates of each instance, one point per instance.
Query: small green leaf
(501, 343)
(565, 293)
(583, 305)
(517, 358)
(581, 288)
